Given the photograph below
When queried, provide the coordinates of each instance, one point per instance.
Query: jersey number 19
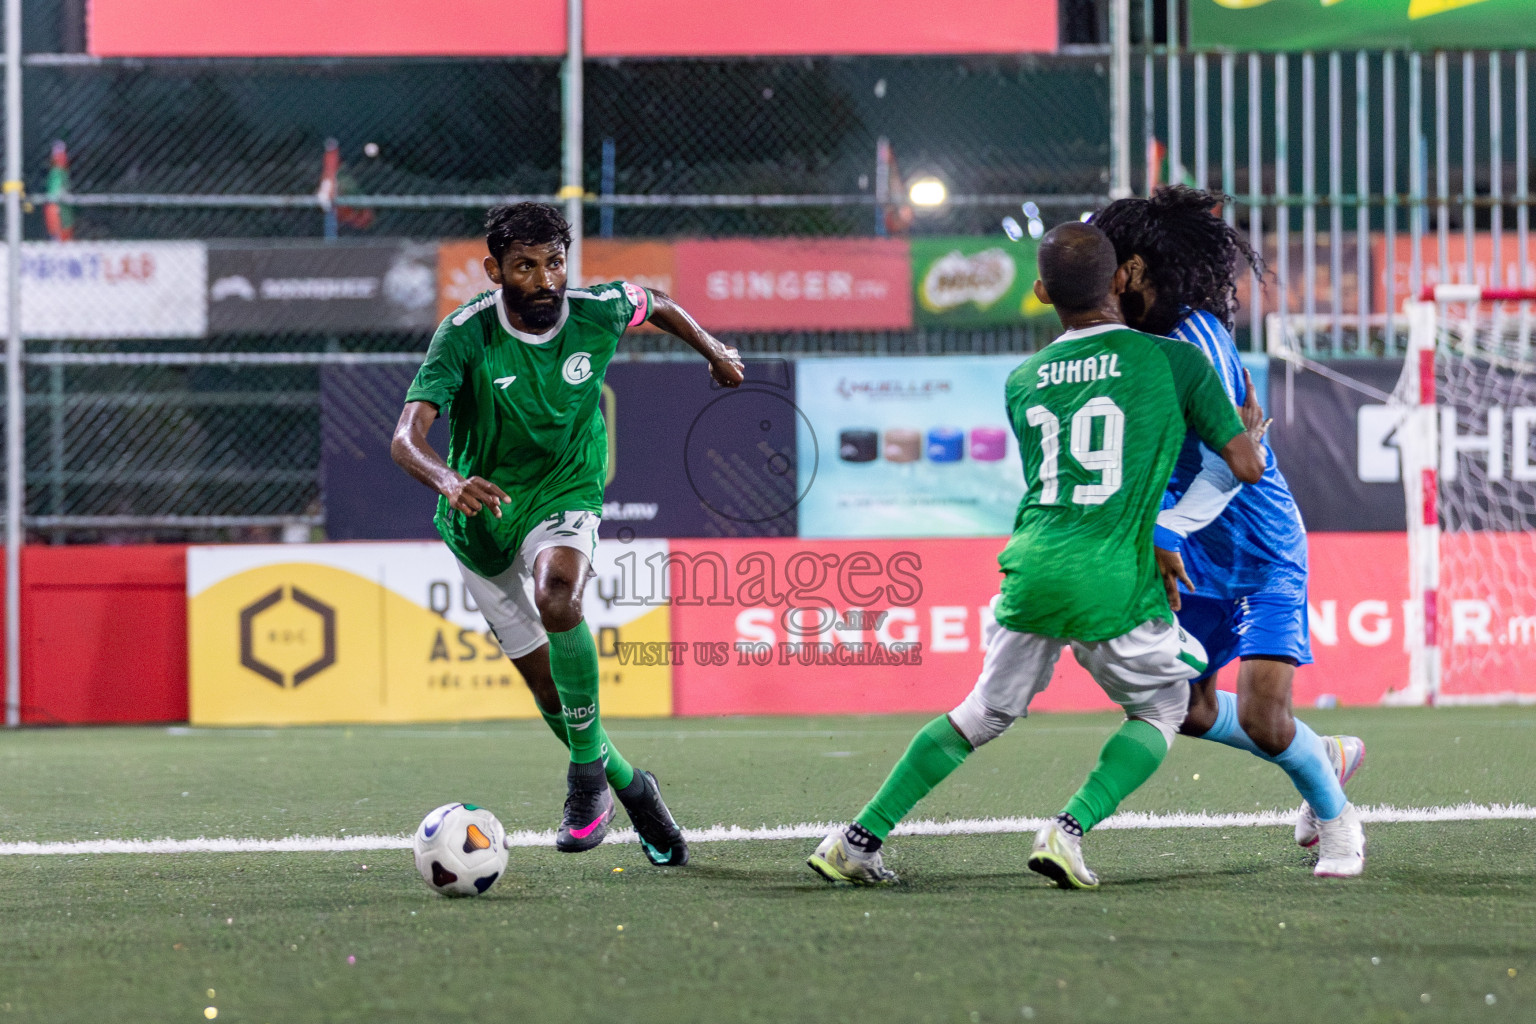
(1104, 460)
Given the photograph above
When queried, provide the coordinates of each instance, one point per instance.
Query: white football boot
(838, 860)
(1341, 846)
(1058, 855)
(1347, 754)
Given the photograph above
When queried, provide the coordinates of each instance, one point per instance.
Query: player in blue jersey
(1240, 550)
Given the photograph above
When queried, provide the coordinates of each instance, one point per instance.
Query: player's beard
(1160, 319)
(539, 310)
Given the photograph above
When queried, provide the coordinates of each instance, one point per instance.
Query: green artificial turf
(1187, 926)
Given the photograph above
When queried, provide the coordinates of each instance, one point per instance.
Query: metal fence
(218, 437)
(1337, 161)
(236, 149)
(1361, 177)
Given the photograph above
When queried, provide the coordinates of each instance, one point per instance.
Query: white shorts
(506, 600)
(1145, 671)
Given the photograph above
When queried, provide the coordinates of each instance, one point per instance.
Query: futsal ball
(460, 849)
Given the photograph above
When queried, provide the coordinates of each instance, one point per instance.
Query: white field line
(808, 830)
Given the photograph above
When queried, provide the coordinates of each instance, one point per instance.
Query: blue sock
(1226, 730)
(1305, 760)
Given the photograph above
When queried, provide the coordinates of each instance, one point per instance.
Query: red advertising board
(1398, 269)
(796, 284)
(1360, 616)
(103, 634)
(104, 629)
(1487, 620)
(663, 28)
(941, 589)
(1357, 598)
(929, 593)
(614, 28)
(341, 28)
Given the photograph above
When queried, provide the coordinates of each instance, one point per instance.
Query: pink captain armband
(638, 298)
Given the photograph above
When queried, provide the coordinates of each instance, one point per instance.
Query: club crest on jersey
(577, 368)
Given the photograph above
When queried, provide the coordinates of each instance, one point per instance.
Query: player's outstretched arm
(724, 362)
(413, 453)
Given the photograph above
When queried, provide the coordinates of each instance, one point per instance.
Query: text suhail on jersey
(1076, 371)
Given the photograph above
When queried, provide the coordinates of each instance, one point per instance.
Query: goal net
(1461, 416)
(1468, 397)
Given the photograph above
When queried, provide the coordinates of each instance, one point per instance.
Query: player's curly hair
(1192, 255)
(526, 223)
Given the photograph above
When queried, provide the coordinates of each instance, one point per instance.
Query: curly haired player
(1244, 547)
(519, 370)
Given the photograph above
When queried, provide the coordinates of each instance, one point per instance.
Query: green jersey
(1100, 415)
(523, 412)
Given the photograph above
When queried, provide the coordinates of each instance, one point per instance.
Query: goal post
(1418, 445)
(1468, 397)
(1462, 416)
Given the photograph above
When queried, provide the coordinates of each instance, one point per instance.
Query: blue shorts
(1272, 622)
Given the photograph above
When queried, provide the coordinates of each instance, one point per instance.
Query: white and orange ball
(460, 849)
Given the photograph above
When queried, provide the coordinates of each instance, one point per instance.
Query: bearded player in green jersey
(1100, 415)
(519, 371)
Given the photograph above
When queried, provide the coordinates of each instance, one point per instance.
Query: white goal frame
(1418, 441)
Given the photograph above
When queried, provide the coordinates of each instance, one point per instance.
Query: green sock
(573, 664)
(556, 722)
(620, 772)
(934, 752)
(1127, 760)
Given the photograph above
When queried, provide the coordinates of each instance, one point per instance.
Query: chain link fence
(212, 431)
(236, 149)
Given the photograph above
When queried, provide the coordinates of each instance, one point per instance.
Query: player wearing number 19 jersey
(1100, 415)
(1244, 547)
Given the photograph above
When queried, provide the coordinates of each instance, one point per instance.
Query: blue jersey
(1256, 542)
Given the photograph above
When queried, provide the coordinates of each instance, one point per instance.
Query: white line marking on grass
(1136, 820)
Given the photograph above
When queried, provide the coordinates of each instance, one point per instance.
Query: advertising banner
(1487, 617)
(796, 284)
(1357, 611)
(100, 290)
(787, 627)
(614, 28)
(1360, 616)
(686, 458)
(1325, 286)
(364, 494)
(975, 282)
(461, 271)
(291, 635)
(1337, 446)
(352, 286)
(899, 626)
(692, 459)
(907, 447)
(1398, 268)
(1361, 24)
